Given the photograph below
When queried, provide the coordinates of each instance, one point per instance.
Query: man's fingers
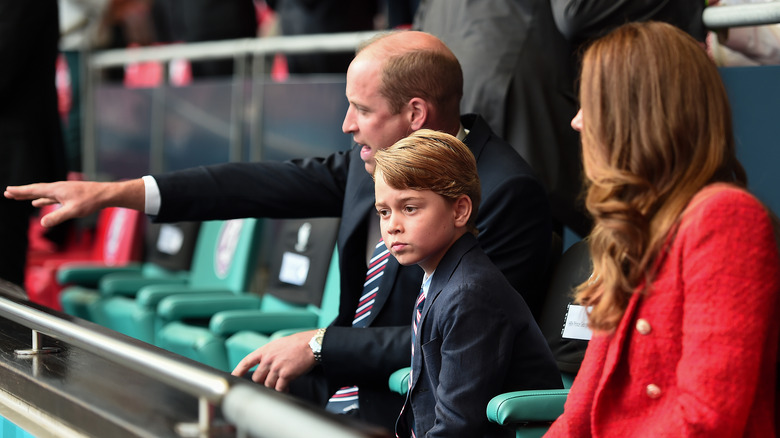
(42, 202)
(282, 384)
(55, 217)
(270, 380)
(260, 375)
(244, 365)
(23, 193)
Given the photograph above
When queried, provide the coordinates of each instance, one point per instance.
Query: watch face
(316, 344)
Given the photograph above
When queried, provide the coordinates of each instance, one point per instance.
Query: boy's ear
(418, 114)
(462, 210)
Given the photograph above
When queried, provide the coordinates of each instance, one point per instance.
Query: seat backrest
(171, 246)
(225, 254)
(573, 268)
(300, 259)
(119, 236)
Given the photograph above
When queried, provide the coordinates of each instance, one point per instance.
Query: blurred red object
(118, 241)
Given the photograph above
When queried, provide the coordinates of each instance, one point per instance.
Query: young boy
(473, 336)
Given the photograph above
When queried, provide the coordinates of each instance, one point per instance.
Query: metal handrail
(297, 44)
(206, 386)
(258, 416)
(284, 418)
(753, 14)
(714, 17)
(187, 378)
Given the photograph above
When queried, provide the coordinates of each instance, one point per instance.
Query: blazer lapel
(358, 200)
(441, 277)
(479, 133)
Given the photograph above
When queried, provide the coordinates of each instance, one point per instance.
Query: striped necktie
(346, 398)
(376, 268)
(418, 307)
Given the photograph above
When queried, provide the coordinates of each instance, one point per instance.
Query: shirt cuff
(151, 196)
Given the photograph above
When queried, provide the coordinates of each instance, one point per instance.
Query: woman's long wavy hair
(656, 130)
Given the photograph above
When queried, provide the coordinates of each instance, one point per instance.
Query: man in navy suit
(397, 84)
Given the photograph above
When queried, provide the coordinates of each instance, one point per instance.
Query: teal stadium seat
(168, 256)
(223, 264)
(301, 258)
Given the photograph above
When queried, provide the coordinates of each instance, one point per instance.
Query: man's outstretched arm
(79, 198)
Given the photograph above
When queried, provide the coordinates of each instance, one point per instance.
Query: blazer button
(653, 391)
(643, 327)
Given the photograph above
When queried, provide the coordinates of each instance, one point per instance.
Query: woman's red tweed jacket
(697, 355)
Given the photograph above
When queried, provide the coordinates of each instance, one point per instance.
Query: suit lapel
(441, 277)
(358, 200)
(478, 135)
(358, 204)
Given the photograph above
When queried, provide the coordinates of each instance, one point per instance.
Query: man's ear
(418, 114)
(462, 210)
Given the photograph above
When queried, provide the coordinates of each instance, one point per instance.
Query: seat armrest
(89, 274)
(291, 331)
(130, 284)
(150, 296)
(232, 321)
(399, 381)
(203, 305)
(543, 405)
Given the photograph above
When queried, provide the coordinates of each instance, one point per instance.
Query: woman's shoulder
(724, 198)
(728, 209)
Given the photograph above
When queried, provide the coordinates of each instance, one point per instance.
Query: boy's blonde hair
(435, 161)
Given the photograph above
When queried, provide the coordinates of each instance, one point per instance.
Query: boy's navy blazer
(514, 224)
(476, 339)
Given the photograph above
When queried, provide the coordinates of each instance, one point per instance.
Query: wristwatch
(316, 344)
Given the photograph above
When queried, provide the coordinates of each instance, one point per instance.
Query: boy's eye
(410, 209)
(382, 213)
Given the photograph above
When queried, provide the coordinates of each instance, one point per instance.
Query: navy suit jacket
(514, 224)
(476, 339)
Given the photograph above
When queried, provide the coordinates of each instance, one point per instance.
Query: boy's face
(419, 226)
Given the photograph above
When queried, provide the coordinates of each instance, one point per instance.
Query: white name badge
(295, 268)
(576, 324)
(170, 239)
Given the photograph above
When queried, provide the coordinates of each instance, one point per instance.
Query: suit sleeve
(472, 343)
(515, 232)
(312, 187)
(585, 19)
(365, 356)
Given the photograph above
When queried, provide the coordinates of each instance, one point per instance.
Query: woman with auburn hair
(684, 295)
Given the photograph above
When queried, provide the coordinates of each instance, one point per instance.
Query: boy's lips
(397, 246)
